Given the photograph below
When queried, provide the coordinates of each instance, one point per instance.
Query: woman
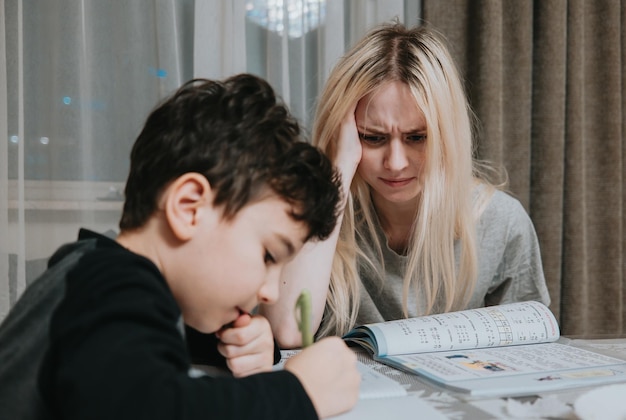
(422, 231)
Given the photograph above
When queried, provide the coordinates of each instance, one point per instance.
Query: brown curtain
(546, 80)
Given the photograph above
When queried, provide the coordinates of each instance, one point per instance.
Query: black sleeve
(117, 352)
(203, 348)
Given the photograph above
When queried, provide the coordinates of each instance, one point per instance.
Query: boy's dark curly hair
(243, 140)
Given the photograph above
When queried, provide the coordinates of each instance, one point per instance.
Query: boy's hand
(329, 375)
(248, 345)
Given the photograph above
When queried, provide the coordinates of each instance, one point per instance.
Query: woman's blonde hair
(446, 211)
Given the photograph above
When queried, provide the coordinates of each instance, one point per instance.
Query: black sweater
(117, 350)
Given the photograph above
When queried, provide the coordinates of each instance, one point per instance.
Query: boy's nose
(269, 291)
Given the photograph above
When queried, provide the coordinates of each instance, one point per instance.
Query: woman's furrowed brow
(370, 129)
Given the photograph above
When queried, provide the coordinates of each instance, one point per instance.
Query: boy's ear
(185, 201)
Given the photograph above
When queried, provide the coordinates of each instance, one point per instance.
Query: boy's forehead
(282, 215)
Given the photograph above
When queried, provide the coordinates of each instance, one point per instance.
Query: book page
(501, 361)
(493, 326)
(503, 370)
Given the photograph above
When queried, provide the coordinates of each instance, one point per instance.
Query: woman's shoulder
(501, 208)
(504, 201)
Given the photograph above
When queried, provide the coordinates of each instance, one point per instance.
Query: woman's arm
(311, 267)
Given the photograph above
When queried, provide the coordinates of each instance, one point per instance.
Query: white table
(425, 401)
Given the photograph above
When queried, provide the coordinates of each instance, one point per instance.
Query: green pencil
(303, 309)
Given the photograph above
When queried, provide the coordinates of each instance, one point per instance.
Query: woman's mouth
(396, 182)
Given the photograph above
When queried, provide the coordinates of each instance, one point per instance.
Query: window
(90, 75)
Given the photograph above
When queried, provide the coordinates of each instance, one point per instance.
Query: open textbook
(505, 350)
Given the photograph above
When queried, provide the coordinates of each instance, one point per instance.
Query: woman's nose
(396, 157)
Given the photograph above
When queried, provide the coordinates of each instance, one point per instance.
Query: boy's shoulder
(87, 241)
(24, 331)
(46, 291)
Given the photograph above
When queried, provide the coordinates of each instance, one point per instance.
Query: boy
(221, 194)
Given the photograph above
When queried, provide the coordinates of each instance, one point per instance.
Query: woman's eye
(269, 258)
(371, 138)
(417, 138)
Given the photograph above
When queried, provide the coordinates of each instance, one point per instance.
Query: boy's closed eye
(278, 250)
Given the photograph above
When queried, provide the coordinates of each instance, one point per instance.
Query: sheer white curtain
(78, 78)
(291, 43)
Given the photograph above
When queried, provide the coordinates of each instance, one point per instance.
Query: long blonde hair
(446, 211)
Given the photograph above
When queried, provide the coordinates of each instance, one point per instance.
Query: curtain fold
(5, 298)
(548, 112)
(593, 161)
(546, 80)
(218, 38)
